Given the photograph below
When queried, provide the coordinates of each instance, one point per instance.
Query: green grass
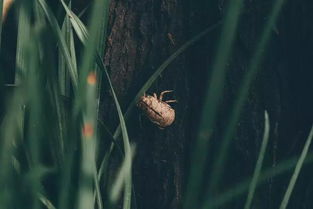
(259, 163)
(52, 116)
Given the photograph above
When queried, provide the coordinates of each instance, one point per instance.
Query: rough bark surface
(143, 33)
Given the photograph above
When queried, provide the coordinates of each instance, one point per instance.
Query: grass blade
(210, 107)
(231, 194)
(64, 79)
(259, 163)
(297, 170)
(127, 149)
(11, 131)
(121, 178)
(62, 43)
(78, 25)
(46, 202)
(99, 15)
(89, 137)
(242, 95)
(22, 39)
(83, 36)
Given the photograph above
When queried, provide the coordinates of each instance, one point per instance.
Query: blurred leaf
(231, 194)
(83, 36)
(122, 177)
(297, 170)
(62, 43)
(22, 40)
(259, 163)
(211, 103)
(46, 202)
(253, 67)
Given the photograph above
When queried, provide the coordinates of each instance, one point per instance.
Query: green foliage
(51, 121)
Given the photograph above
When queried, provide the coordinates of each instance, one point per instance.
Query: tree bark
(143, 33)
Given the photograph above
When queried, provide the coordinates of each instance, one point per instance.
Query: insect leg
(171, 101)
(164, 92)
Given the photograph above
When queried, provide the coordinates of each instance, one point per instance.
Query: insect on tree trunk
(143, 33)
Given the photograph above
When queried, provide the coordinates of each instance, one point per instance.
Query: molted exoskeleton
(157, 110)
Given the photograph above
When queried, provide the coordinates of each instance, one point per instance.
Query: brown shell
(157, 111)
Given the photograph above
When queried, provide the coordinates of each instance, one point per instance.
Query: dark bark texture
(143, 33)
(139, 41)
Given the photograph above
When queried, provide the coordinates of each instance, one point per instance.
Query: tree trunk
(143, 33)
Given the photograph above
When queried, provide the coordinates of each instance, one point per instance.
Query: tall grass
(51, 122)
(211, 103)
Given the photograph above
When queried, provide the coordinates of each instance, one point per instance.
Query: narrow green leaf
(62, 43)
(122, 177)
(46, 202)
(128, 183)
(211, 103)
(22, 40)
(10, 132)
(297, 170)
(89, 141)
(217, 201)
(64, 79)
(259, 163)
(83, 36)
(77, 24)
(253, 67)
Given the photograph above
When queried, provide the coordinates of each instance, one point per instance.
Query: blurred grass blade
(64, 88)
(36, 112)
(210, 107)
(97, 195)
(46, 202)
(253, 67)
(97, 39)
(128, 188)
(259, 163)
(89, 141)
(10, 131)
(22, 39)
(99, 16)
(78, 25)
(64, 79)
(297, 170)
(61, 41)
(128, 183)
(122, 176)
(218, 201)
(96, 35)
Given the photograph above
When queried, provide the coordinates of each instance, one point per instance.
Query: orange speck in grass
(87, 130)
(92, 78)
